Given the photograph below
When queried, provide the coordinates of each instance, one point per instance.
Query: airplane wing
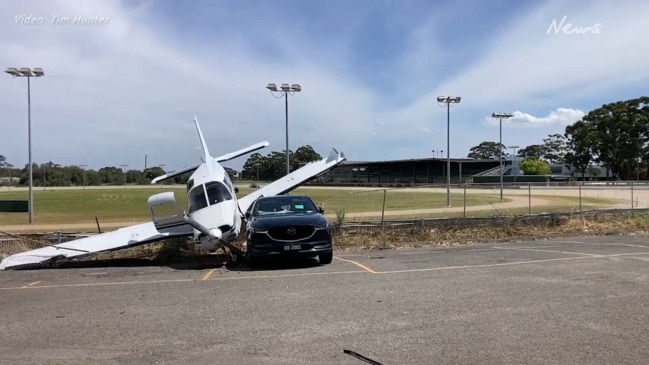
(294, 179)
(243, 151)
(174, 173)
(119, 239)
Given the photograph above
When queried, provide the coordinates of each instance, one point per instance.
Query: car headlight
(322, 225)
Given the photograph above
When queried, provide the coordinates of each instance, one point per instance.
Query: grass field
(122, 205)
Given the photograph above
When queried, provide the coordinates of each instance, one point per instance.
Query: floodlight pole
(84, 175)
(124, 172)
(29, 73)
(515, 148)
(500, 117)
(448, 100)
(284, 91)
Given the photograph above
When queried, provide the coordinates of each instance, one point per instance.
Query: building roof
(468, 160)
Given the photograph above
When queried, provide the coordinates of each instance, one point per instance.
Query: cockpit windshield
(217, 192)
(196, 198)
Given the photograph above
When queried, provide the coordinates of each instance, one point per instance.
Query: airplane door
(167, 216)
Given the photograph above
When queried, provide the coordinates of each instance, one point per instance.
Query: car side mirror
(321, 210)
(236, 190)
(247, 215)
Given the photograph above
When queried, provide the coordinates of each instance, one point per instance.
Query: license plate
(292, 247)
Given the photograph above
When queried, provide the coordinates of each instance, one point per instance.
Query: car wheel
(253, 262)
(326, 258)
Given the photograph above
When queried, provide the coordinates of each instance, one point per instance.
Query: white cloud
(560, 117)
(528, 68)
(115, 92)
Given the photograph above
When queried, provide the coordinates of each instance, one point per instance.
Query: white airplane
(214, 217)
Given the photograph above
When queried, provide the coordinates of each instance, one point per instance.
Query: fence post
(580, 197)
(464, 214)
(385, 191)
(529, 199)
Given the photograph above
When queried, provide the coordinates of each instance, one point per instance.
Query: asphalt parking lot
(573, 301)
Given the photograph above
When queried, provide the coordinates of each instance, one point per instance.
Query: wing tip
(335, 155)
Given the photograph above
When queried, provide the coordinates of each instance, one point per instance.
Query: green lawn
(119, 204)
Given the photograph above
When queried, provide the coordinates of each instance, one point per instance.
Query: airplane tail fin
(206, 152)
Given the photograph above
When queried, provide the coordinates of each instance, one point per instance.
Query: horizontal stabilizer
(294, 179)
(171, 174)
(118, 239)
(243, 151)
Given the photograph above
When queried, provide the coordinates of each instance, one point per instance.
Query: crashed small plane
(214, 217)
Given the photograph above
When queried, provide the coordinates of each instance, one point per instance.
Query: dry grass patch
(446, 233)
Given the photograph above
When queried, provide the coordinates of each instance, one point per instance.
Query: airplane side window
(217, 192)
(196, 198)
(227, 182)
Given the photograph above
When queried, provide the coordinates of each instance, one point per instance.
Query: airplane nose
(216, 233)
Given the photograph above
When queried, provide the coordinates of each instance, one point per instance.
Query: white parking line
(548, 251)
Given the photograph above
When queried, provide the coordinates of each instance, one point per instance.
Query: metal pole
(464, 214)
(448, 154)
(501, 158)
(29, 142)
(579, 197)
(288, 170)
(529, 198)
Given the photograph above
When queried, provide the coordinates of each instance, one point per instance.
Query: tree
(273, 165)
(303, 155)
(555, 148)
(536, 150)
(593, 171)
(252, 165)
(486, 151)
(579, 141)
(153, 172)
(619, 134)
(3, 161)
(534, 166)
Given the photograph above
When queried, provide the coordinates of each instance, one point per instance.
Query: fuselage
(212, 201)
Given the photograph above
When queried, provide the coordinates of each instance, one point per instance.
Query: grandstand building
(432, 171)
(405, 172)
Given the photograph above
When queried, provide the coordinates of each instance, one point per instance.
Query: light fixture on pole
(284, 91)
(500, 117)
(448, 100)
(28, 73)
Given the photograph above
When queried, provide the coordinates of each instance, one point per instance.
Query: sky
(124, 79)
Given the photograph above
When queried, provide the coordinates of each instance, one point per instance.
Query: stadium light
(28, 73)
(284, 91)
(500, 117)
(448, 100)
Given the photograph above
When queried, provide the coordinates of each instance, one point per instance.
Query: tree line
(614, 136)
(271, 166)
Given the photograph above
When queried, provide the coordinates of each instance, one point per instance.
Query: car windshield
(284, 205)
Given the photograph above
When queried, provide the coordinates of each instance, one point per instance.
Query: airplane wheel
(235, 260)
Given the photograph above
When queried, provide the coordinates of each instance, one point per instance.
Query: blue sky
(370, 73)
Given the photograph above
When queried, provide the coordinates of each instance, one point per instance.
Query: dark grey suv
(290, 225)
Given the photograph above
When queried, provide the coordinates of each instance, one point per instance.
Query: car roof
(283, 197)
